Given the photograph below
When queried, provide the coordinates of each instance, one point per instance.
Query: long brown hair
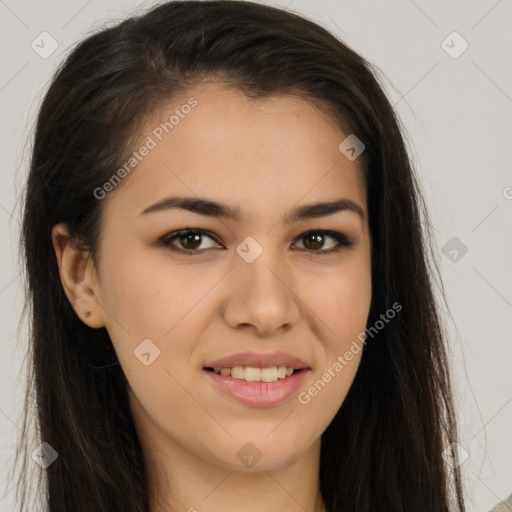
(383, 450)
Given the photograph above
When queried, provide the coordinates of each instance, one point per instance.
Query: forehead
(277, 151)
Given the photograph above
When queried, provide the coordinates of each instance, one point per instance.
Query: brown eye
(314, 241)
(187, 241)
(190, 241)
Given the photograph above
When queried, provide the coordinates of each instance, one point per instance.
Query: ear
(78, 277)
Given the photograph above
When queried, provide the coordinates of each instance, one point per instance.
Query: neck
(181, 482)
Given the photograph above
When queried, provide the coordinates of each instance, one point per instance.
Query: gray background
(456, 115)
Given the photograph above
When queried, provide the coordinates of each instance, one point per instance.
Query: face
(262, 287)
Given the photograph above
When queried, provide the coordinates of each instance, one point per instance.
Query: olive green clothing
(504, 506)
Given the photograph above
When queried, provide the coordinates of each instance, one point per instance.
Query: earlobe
(78, 277)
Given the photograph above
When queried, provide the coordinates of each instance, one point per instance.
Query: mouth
(257, 387)
(257, 379)
(254, 374)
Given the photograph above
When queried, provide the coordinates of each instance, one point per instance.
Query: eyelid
(166, 239)
(343, 241)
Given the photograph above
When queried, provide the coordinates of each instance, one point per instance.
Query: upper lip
(258, 360)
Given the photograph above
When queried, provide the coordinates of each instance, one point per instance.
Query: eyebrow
(211, 208)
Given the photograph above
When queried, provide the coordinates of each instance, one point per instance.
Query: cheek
(149, 296)
(351, 305)
(150, 300)
(341, 302)
(342, 305)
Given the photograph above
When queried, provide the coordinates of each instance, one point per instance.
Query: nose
(261, 296)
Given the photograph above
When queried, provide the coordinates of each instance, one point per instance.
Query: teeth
(237, 372)
(251, 374)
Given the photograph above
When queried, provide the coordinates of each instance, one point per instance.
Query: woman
(295, 362)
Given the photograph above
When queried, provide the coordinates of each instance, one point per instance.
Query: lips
(249, 386)
(257, 394)
(258, 360)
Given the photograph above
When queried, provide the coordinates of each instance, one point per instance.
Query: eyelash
(343, 241)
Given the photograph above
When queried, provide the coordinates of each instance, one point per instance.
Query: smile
(257, 392)
(252, 374)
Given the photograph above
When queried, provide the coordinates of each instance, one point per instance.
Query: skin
(265, 157)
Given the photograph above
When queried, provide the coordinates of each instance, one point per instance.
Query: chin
(264, 455)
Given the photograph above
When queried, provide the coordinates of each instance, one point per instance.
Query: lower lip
(258, 394)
